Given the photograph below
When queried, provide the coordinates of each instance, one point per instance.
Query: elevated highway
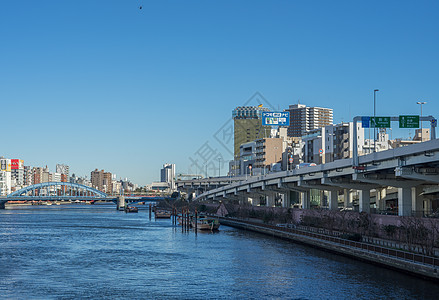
(412, 170)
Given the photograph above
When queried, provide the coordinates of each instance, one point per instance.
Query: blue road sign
(365, 121)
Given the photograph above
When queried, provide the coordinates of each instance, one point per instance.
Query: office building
(167, 174)
(247, 121)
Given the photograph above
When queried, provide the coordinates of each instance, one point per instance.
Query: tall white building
(304, 119)
(5, 176)
(167, 174)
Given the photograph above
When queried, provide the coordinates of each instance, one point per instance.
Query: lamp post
(374, 120)
(420, 103)
(219, 166)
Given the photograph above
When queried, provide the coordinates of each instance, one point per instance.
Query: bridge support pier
(333, 200)
(305, 199)
(286, 199)
(120, 202)
(271, 199)
(418, 201)
(364, 201)
(405, 201)
(347, 198)
(380, 194)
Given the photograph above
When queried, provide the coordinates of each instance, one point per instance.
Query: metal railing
(416, 258)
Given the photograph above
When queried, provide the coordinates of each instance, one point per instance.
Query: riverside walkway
(415, 264)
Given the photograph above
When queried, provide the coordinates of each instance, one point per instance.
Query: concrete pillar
(383, 194)
(322, 198)
(120, 202)
(333, 200)
(346, 196)
(380, 194)
(305, 200)
(427, 206)
(404, 201)
(271, 199)
(364, 201)
(286, 199)
(418, 200)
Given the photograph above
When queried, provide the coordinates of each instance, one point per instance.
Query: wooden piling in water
(150, 211)
(188, 219)
(196, 221)
(182, 219)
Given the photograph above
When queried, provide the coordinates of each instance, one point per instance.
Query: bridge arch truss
(58, 189)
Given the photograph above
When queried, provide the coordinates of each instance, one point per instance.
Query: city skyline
(112, 87)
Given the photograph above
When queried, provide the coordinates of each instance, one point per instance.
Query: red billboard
(15, 164)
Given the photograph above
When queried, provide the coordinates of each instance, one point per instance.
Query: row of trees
(421, 233)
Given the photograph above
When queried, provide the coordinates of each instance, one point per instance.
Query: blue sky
(103, 84)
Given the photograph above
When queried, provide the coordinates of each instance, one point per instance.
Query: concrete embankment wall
(414, 267)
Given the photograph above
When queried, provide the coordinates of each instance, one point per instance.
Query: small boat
(131, 209)
(162, 214)
(206, 223)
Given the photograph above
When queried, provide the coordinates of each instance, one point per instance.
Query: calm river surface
(96, 252)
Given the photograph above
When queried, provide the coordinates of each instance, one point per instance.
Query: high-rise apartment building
(46, 175)
(268, 151)
(5, 176)
(247, 121)
(97, 179)
(304, 119)
(17, 173)
(37, 175)
(27, 175)
(101, 180)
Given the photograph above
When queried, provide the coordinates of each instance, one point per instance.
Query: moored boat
(206, 223)
(131, 209)
(162, 214)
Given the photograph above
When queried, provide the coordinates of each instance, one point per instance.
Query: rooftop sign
(276, 118)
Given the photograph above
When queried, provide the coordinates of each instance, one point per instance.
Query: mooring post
(182, 219)
(188, 219)
(150, 211)
(196, 221)
(3, 205)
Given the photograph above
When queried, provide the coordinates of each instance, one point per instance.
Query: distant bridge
(66, 191)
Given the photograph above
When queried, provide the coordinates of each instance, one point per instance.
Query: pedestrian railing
(413, 257)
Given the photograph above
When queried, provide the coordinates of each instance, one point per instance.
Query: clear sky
(104, 84)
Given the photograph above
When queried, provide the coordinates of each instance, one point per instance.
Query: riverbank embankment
(411, 263)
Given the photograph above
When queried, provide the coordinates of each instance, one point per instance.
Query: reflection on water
(98, 252)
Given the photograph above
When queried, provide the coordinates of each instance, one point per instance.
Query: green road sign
(408, 121)
(380, 122)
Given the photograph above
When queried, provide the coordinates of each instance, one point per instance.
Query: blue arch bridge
(70, 192)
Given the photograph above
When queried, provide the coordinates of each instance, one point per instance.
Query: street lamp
(374, 118)
(420, 103)
(219, 166)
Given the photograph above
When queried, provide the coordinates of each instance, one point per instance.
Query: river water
(96, 252)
